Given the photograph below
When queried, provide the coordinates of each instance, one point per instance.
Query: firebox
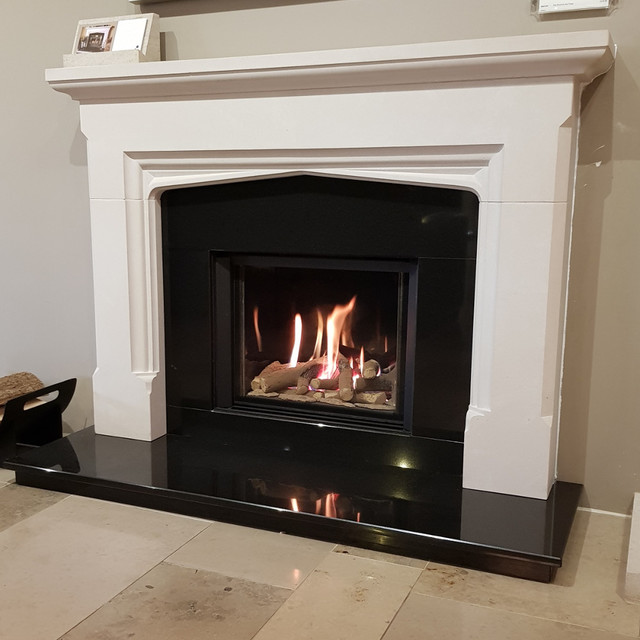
(322, 331)
(321, 301)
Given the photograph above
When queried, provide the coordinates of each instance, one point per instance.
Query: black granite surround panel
(409, 504)
(431, 233)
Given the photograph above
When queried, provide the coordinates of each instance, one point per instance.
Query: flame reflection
(256, 328)
(321, 502)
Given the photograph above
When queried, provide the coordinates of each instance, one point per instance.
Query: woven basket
(17, 384)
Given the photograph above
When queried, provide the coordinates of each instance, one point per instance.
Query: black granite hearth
(399, 488)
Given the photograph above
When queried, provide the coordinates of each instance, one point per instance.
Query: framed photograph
(95, 38)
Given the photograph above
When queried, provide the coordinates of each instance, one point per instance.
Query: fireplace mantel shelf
(581, 55)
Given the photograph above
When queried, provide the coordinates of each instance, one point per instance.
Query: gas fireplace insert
(316, 300)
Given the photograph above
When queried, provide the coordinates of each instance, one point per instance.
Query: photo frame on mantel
(117, 40)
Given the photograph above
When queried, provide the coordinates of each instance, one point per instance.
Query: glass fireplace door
(317, 336)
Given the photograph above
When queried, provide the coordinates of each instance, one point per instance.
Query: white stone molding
(148, 175)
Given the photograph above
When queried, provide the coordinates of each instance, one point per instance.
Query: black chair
(23, 428)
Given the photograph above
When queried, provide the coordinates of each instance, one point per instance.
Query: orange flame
(346, 338)
(257, 328)
(335, 322)
(296, 342)
(361, 363)
(294, 505)
(317, 349)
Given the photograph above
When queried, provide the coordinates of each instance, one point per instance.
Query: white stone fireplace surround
(498, 117)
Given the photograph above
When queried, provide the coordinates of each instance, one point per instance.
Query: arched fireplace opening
(347, 303)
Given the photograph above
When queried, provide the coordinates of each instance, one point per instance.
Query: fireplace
(446, 171)
(342, 302)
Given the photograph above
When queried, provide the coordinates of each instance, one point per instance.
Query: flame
(296, 342)
(294, 505)
(386, 344)
(257, 328)
(317, 349)
(345, 337)
(335, 322)
(361, 363)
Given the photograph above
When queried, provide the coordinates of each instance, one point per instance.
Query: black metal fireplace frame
(226, 282)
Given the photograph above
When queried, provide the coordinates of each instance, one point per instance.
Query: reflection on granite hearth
(398, 495)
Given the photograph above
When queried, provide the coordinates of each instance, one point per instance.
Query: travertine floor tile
(6, 476)
(383, 557)
(18, 502)
(252, 554)
(60, 565)
(428, 618)
(174, 603)
(586, 590)
(345, 598)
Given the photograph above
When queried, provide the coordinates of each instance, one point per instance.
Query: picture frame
(93, 38)
(120, 39)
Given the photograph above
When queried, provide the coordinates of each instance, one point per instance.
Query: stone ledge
(580, 56)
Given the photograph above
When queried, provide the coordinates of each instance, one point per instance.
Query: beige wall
(46, 294)
(46, 321)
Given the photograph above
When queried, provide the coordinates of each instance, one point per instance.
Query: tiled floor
(78, 568)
